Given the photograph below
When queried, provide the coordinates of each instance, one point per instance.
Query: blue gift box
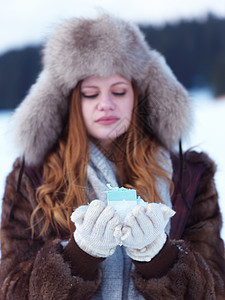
(122, 200)
(122, 194)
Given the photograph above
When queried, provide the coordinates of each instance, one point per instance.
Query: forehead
(110, 80)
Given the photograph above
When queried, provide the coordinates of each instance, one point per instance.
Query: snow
(7, 151)
(207, 135)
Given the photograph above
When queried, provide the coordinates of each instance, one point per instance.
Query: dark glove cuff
(82, 264)
(160, 264)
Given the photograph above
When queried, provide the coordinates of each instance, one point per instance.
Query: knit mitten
(97, 226)
(143, 232)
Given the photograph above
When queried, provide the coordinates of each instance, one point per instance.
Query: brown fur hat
(103, 46)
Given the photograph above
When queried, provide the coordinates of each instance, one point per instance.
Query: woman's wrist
(82, 264)
(147, 253)
(160, 264)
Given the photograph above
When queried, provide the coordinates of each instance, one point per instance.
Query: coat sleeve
(198, 271)
(33, 268)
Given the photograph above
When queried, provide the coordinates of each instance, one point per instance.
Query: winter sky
(30, 21)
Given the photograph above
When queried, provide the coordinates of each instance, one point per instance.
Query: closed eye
(119, 94)
(90, 96)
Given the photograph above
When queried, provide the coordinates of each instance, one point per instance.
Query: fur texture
(40, 269)
(103, 46)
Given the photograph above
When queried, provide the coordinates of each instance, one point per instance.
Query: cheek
(129, 107)
(127, 112)
(85, 110)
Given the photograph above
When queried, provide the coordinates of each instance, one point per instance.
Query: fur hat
(80, 48)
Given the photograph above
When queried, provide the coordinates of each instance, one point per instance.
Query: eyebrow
(120, 82)
(89, 87)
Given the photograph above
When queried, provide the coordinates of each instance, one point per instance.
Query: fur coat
(191, 264)
(189, 267)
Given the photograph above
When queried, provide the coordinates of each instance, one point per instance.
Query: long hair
(64, 173)
(64, 169)
(138, 157)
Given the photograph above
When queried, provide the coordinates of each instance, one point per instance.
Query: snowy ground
(207, 135)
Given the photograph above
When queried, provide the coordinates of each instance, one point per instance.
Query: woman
(106, 109)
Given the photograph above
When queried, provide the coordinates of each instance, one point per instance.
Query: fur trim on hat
(80, 48)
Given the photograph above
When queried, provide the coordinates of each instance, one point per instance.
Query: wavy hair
(64, 171)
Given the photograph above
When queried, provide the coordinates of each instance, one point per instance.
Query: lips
(107, 120)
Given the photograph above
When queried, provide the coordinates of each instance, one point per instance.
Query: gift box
(122, 200)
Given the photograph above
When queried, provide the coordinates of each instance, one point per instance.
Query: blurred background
(190, 34)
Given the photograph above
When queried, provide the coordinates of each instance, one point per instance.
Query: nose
(106, 102)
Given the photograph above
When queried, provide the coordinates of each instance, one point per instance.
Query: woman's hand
(98, 228)
(143, 232)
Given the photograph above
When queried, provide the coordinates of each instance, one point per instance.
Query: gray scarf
(117, 268)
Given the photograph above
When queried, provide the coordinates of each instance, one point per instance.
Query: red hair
(64, 170)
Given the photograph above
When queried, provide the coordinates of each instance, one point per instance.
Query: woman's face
(107, 104)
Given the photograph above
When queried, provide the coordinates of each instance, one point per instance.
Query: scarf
(117, 282)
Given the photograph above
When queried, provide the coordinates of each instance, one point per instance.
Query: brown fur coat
(40, 268)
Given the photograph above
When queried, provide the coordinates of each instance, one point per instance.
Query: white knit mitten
(97, 226)
(143, 232)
